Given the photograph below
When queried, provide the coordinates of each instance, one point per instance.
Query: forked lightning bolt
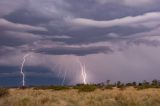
(83, 72)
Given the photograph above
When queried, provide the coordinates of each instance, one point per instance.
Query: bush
(109, 87)
(140, 87)
(85, 88)
(121, 87)
(143, 87)
(3, 92)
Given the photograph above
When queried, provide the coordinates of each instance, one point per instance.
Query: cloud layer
(150, 18)
(136, 3)
(111, 37)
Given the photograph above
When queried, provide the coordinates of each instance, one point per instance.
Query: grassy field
(72, 97)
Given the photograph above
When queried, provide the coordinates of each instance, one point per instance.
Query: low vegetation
(72, 97)
(103, 86)
(3, 92)
(102, 94)
(57, 88)
(85, 88)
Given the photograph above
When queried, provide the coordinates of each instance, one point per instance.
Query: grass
(57, 88)
(85, 88)
(130, 96)
(3, 92)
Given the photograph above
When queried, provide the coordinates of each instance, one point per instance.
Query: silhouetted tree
(155, 82)
(118, 84)
(107, 82)
(134, 83)
(140, 84)
(129, 84)
(145, 83)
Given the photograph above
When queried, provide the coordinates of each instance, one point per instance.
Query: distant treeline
(140, 85)
(105, 85)
(91, 87)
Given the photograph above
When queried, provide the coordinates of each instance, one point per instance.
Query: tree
(145, 83)
(134, 83)
(118, 84)
(108, 82)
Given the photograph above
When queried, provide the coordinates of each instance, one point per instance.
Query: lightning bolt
(64, 78)
(84, 75)
(83, 72)
(22, 73)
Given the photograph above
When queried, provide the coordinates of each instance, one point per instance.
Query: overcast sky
(115, 39)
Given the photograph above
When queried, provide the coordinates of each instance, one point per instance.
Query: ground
(71, 97)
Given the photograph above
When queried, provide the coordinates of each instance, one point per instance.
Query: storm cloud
(151, 19)
(121, 36)
(79, 51)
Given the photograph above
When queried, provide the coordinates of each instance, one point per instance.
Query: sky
(114, 39)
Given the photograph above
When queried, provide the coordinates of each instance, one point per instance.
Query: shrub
(3, 92)
(109, 87)
(143, 87)
(85, 88)
(139, 87)
(121, 87)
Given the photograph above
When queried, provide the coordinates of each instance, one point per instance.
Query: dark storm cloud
(8, 6)
(89, 29)
(15, 34)
(93, 35)
(135, 21)
(57, 17)
(26, 17)
(79, 51)
(83, 22)
(11, 38)
(110, 9)
(6, 25)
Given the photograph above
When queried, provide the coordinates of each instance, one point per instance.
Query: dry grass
(115, 97)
